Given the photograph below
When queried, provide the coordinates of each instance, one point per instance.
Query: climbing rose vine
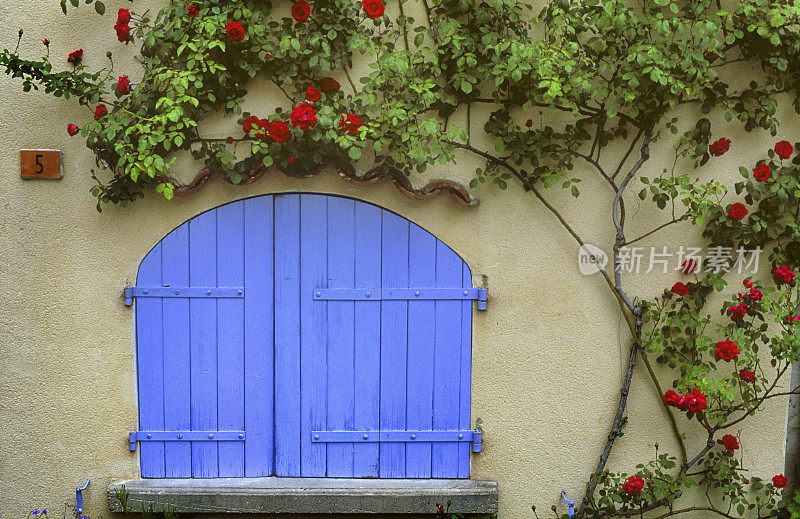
(560, 85)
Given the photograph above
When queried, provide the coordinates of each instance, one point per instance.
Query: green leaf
(100, 7)
(354, 153)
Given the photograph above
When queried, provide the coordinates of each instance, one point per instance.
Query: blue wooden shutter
(192, 343)
(331, 334)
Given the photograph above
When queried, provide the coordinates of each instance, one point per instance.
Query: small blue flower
(44, 512)
(35, 511)
(83, 517)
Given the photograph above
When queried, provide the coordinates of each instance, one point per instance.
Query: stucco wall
(548, 354)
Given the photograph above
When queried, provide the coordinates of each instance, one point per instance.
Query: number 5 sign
(41, 164)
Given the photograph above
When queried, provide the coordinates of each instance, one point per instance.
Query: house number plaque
(41, 164)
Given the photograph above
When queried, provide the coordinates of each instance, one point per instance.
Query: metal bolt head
(239, 292)
(316, 436)
(210, 436)
(180, 436)
(177, 292)
(146, 292)
(319, 294)
(466, 293)
(369, 294)
(416, 293)
(241, 436)
(366, 437)
(208, 292)
(149, 435)
(413, 436)
(460, 436)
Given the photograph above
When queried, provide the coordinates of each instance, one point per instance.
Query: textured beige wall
(548, 354)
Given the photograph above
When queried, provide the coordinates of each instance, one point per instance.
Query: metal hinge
(473, 437)
(212, 292)
(403, 294)
(184, 436)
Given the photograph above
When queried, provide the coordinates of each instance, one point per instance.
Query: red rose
(250, 123)
(301, 11)
(303, 116)
(680, 288)
(124, 85)
(780, 481)
(75, 58)
(235, 31)
(123, 33)
(280, 131)
(747, 376)
(123, 16)
(350, 123)
(737, 311)
(695, 401)
(755, 295)
(747, 283)
(727, 351)
(689, 266)
(291, 161)
(373, 8)
(737, 211)
(730, 442)
(762, 172)
(671, 398)
(46, 42)
(529, 123)
(72, 130)
(784, 149)
(328, 84)
(312, 94)
(192, 10)
(633, 485)
(229, 140)
(100, 112)
(783, 275)
(718, 148)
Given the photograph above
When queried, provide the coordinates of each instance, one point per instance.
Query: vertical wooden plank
(313, 332)
(341, 334)
(287, 334)
(203, 323)
(258, 337)
(367, 337)
(447, 363)
(150, 364)
(421, 346)
(175, 251)
(465, 393)
(394, 342)
(230, 337)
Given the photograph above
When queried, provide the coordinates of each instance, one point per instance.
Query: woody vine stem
(643, 77)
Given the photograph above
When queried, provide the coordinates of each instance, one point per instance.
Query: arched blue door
(303, 335)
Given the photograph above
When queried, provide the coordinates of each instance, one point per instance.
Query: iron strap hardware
(213, 292)
(402, 294)
(473, 437)
(184, 436)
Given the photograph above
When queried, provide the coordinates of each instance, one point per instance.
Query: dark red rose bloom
(737, 211)
(633, 485)
(235, 31)
(727, 350)
(192, 10)
(730, 442)
(280, 131)
(123, 34)
(124, 85)
(689, 266)
(784, 149)
(680, 288)
(123, 17)
(75, 58)
(46, 42)
(373, 8)
(738, 311)
(72, 130)
(695, 401)
(291, 161)
(529, 123)
(762, 172)
(747, 283)
(100, 112)
(312, 94)
(303, 116)
(350, 123)
(747, 376)
(783, 275)
(229, 140)
(673, 399)
(718, 148)
(755, 295)
(780, 481)
(328, 84)
(250, 123)
(301, 11)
